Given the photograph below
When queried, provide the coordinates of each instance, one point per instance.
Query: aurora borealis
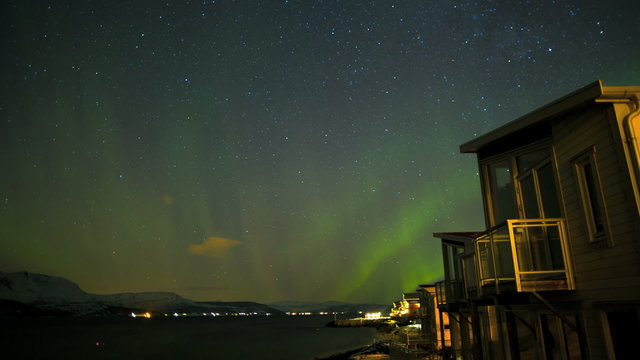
(270, 150)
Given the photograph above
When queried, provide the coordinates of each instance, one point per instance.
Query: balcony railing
(449, 291)
(441, 293)
(493, 258)
(532, 254)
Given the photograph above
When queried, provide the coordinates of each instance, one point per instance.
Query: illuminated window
(591, 196)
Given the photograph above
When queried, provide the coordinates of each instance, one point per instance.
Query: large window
(453, 271)
(537, 184)
(540, 247)
(531, 176)
(591, 196)
(501, 194)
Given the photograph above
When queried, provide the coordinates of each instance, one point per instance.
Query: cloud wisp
(214, 247)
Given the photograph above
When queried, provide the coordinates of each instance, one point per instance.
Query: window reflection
(502, 195)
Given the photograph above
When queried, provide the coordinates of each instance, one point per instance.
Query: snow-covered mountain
(30, 288)
(56, 295)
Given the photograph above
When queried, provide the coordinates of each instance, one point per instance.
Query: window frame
(490, 193)
(587, 195)
(534, 173)
(512, 158)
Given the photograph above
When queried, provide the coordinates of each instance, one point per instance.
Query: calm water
(281, 338)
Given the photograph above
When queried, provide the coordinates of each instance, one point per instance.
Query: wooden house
(556, 273)
(434, 323)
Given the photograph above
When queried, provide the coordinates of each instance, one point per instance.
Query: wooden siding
(608, 272)
(599, 269)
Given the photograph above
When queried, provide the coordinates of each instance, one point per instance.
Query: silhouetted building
(407, 308)
(398, 309)
(556, 273)
(434, 323)
(413, 304)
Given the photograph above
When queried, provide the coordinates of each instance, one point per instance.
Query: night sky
(270, 150)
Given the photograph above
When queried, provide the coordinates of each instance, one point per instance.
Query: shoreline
(378, 350)
(344, 355)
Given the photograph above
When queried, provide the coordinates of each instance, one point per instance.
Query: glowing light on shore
(145, 315)
(373, 316)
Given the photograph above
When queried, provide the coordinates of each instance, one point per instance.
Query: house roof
(427, 286)
(457, 237)
(410, 296)
(588, 94)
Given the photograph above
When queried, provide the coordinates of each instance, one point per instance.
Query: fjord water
(259, 337)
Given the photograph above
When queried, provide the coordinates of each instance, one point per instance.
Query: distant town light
(145, 315)
(372, 316)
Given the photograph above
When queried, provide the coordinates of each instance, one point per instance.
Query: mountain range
(39, 294)
(31, 294)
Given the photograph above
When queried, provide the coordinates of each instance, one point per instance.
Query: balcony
(449, 292)
(469, 274)
(524, 255)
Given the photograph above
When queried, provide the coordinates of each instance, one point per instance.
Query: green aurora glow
(317, 141)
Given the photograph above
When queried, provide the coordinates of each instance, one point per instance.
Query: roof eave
(457, 237)
(574, 99)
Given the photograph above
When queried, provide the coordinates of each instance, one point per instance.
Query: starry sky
(270, 150)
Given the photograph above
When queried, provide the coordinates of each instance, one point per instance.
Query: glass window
(548, 192)
(529, 160)
(594, 199)
(453, 262)
(591, 196)
(529, 197)
(537, 184)
(503, 204)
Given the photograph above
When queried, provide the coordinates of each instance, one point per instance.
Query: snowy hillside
(58, 295)
(30, 288)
